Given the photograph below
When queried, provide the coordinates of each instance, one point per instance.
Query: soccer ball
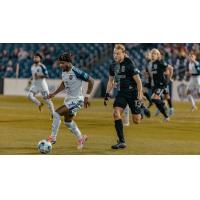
(44, 146)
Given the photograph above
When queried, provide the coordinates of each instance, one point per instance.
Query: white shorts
(194, 83)
(74, 105)
(42, 88)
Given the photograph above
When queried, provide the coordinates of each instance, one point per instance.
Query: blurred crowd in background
(95, 58)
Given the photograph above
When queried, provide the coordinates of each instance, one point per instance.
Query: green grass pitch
(22, 126)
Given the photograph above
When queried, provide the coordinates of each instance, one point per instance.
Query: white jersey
(194, 68)
(73, 81)
(39, 85)
(40, 70)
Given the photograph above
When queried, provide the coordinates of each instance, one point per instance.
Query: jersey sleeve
(164, 65)
(133, 70)
(197, 66)
(81, 74)
(44, 70)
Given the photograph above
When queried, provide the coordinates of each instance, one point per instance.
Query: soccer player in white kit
(72, 83)
(194, 83)
(39, 84)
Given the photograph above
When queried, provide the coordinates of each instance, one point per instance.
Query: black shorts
(123, 101)
(147, 85)
(158, 91)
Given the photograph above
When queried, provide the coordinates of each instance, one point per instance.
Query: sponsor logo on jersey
(70, 77)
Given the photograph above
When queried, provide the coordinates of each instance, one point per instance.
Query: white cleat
(166, 119)
(171, 111)
(81, 142)
(126, 124)
(194, 108)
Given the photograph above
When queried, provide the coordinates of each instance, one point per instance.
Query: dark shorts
(147, 85)
(123, 101)
(158, 91)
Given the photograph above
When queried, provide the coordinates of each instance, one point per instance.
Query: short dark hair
(39, 55)
(66, 57)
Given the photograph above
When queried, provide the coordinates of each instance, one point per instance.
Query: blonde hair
(157, 52)
(120, 47)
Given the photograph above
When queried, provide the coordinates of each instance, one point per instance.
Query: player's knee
(136, 120)
(116, 114)
(56, 116)
(30, 95)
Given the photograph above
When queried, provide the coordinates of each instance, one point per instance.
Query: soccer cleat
(194, 108)
(126, 124)
(52, 139)
(119, 145)
(166, 119)
(171, 111)
(40, 107)
(146, 112)
(81, 142)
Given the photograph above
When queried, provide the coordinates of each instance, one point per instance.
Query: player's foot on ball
(166, 119)
(40, 107)
(194, 108)
(81, 142)
(119, 145)
(52, 139)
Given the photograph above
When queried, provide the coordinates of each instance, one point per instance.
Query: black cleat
(119, 145)
(146, 112)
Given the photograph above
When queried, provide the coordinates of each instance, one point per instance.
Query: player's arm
(110, 86)
(59, 89)
(139, 86)
(89, 90)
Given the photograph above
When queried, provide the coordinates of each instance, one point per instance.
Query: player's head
(155, 54)
(37, 58)
(65, 60)
(119, 53)
(192, 56)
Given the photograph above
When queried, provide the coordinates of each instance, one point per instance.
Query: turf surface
(22, 126)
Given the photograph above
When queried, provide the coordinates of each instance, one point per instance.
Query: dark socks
(119, 130)
(148, 97)
(169, 101)
(161, 106)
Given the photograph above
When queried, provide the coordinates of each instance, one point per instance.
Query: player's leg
(169, 101)
(126, 116)
(48, 101)
(119, 106)
(156, 99)
(31, 96)
(70, 123)
(146, 94)
(61, 111)
(189, 94)
(136, 110)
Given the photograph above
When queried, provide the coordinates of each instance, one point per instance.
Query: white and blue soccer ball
(44, 146)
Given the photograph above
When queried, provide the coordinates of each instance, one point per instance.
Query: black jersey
(160, 80)
(123, 74)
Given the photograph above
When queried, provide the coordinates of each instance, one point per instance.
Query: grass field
(22, 126)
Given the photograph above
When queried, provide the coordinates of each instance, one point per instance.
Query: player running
(39, 84)
(161, 73)
(194, 73)
(72, 80)
(130, 92)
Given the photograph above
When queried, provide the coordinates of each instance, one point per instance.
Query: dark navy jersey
(148, 70)
(123, 74)
(160, 80)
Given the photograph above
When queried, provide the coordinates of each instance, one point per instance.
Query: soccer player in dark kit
(162, 74)
(130, 92)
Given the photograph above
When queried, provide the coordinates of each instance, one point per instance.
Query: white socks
(191, 99)
(55, 124)
(33, 99)
(126, 115)
(74, 129)
(50, 105)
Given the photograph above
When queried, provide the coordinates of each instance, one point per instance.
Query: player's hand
(86, 102)
(106, 99)
(50, 96)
